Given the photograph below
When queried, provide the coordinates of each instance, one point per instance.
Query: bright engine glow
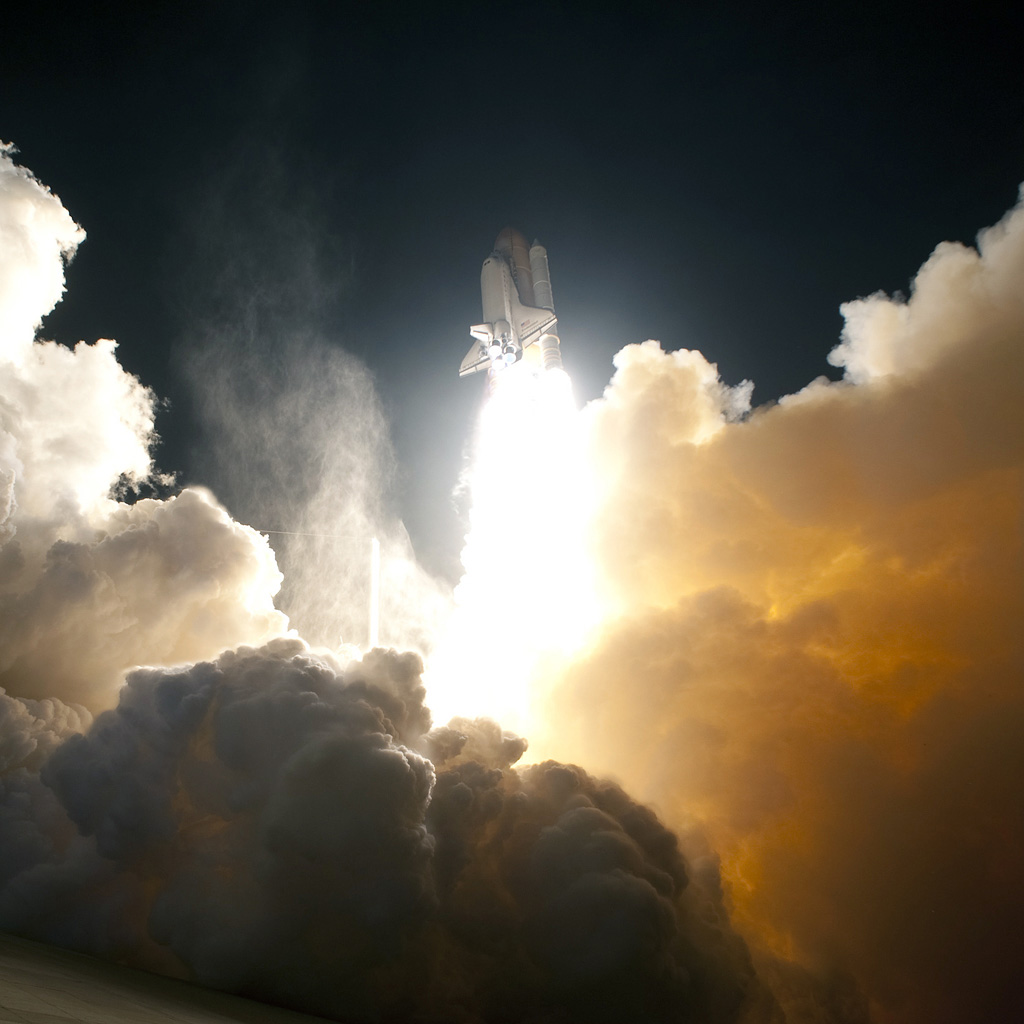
(526, 594)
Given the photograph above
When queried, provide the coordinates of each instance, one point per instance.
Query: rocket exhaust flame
(525, 595)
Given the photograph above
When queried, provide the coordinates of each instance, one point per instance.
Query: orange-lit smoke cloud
(816, 644)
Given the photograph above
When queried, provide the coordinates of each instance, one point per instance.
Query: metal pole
(374, 592)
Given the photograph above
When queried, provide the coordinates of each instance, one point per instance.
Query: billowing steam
(805, 649)
(813, 643)
(261, 816)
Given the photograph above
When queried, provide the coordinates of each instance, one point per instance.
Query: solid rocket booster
(518, 309)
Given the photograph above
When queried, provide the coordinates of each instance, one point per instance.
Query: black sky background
(716, 176)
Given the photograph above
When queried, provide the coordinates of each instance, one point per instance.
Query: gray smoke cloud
(274, 825)
(188, 787)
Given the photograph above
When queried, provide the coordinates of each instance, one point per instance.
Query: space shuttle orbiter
(519, 312)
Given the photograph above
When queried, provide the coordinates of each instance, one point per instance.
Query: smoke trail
(301, 442)
(814, 646)
(294, 432)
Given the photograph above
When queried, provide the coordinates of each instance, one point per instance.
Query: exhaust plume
(805, 651)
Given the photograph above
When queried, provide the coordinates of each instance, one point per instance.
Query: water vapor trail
(301, 444)
(294, 434)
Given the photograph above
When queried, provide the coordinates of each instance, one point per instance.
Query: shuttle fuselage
(518, 309)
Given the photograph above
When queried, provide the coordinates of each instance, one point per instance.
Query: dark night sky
(717, 176)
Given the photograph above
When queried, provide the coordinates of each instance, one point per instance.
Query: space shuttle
(518, 310)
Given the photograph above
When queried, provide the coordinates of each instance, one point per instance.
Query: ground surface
(45, 985)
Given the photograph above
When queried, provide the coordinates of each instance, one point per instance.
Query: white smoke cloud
(293, 432)
(160, 582)
(91, 586)
(960, 294)
(36, 235)
(75, 423)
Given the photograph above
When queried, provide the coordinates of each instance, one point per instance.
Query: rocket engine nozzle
(551, 352)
